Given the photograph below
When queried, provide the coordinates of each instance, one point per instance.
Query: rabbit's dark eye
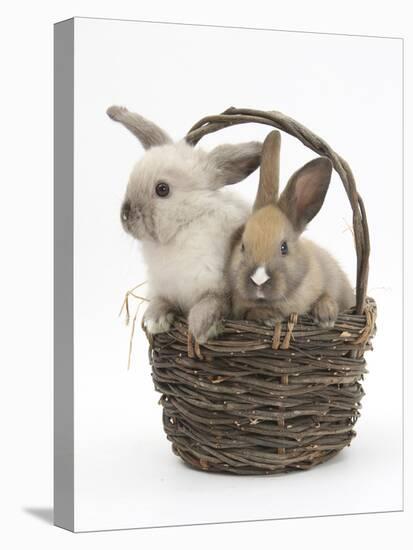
(125, 211)
(162, 189)
(284, 248)
(242, 247)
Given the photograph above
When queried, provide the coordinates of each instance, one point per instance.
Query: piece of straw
(126, 307)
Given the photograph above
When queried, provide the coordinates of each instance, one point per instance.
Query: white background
(26, 296)
(125, 473)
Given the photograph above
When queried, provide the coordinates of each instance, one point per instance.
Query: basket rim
(353, 329)
(234, 116)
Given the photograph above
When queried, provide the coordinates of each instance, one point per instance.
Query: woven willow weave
(258, 400)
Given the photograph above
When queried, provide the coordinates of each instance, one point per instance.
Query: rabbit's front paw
(273, 321)
(205, 320)
(325, 311)
(160, 324)
(158, 317)
(266, 315)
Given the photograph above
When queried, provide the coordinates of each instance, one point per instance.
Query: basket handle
(233, 116)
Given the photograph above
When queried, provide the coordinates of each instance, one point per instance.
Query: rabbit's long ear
(270, 171)
(305, 192)
(148, 133)
(233, 163)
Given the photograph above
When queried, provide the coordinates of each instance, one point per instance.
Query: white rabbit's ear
(305, 192)
(148, 133)
(233, 163)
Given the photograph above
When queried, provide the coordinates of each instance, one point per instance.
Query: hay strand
(126, 308)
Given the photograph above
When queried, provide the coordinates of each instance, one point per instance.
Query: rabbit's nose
(260, 276)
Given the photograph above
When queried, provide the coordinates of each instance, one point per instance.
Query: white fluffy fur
(193, 262)
(186, 234)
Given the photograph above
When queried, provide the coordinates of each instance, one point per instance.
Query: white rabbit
(175, 206)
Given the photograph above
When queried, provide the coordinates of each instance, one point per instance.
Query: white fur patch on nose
(260, 276)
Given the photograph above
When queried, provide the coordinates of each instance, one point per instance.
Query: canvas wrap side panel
(63, 274)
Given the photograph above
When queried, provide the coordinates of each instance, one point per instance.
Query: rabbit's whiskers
(284, 297)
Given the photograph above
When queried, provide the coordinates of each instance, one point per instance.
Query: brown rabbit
(273, 271)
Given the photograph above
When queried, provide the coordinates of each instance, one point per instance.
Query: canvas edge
(63, 216)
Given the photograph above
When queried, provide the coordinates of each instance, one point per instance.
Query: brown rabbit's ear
(305, 192)
(270, 171)
(148, 133)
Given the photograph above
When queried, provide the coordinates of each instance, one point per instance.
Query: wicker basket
(264, 401)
